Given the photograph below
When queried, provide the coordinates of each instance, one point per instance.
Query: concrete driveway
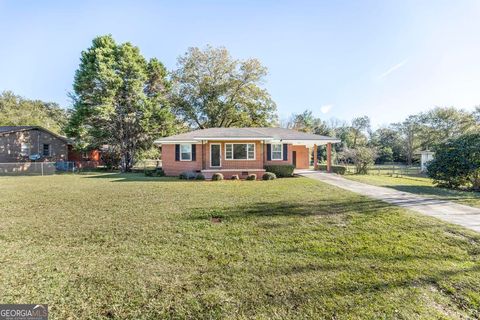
(465, 216)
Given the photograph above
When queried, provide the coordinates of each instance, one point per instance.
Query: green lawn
(130, 247)
(419, 185)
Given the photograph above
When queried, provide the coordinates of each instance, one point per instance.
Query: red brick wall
(235, 164)
(303, 157)
(174, 168)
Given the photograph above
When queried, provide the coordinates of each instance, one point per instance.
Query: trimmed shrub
(252, 176)
(217, 176)
(200, 176)
(187, 175)
(235, 177)
(335, 169)
(269, 176)
(281, 170)
(157, 172)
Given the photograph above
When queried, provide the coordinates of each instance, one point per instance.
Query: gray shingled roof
(15, 128)
(246, 133)
(8, 129)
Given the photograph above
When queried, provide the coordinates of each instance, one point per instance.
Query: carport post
(329, 157)
(315, 157)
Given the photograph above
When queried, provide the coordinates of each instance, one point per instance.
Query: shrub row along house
(240, 151)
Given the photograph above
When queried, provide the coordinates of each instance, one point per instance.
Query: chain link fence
(45, 168)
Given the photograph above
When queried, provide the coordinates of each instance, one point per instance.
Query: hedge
(335, 169)
(158, 172)
(281, 170)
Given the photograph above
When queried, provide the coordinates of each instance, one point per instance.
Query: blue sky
(385, 59)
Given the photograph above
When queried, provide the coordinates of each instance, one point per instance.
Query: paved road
(466, 216)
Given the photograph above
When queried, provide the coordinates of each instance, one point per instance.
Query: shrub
(269, 176)
(281, 170)
(187, 175)
(200, 176)
(157, 172)
(335, 169)
(251, 177)
(235, 177)
(456, 163)
(362, 157)
(217, 176)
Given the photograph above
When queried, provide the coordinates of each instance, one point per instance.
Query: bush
(251, 177)
(269, 176)
(362, 157)
(335, 169)
(281, 170)
(457, 163)
(200, 176)
(235, 177)
(157, 172)
(187, 175)
(217, 176)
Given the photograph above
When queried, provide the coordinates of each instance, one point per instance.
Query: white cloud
(326, 108)
(392, 69)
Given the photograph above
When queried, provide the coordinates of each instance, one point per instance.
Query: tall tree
(409, 130)
(439, 124)
(307, 122)
(211, 89)
(18, 111)
(359, 125)
(120, 99)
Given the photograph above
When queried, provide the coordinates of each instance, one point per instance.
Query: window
(46, 150)
(25, 149)
(240, 151)
(277, 151)
(185, 152)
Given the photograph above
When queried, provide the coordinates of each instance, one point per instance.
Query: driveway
(465, 216)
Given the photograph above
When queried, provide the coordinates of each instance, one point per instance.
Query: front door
(294, 158)
(215, 155)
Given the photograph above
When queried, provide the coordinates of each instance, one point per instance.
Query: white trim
(234, 170)
(271, 151)
(215, 144)
(232, 143)
(234, 138)
(159, 142)
(185, 144)
(311, 142)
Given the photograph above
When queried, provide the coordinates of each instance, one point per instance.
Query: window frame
(49, 150)
(281, 151)
(181, 153)
(245, 143)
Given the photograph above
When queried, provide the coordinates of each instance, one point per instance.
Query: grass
(129, 247)
(419, 185)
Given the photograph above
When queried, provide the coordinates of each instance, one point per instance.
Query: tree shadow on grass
(320, 207)
(130, 177)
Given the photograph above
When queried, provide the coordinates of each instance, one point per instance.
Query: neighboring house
(239, 151)
(83, 159)
(425, 157)
(24, 143)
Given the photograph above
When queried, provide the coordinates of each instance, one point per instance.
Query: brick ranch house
(25, 143)
(240, 151)
(19, 143)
